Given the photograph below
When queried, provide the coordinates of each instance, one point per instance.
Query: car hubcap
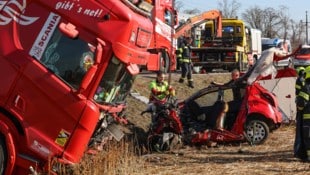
(256, 132)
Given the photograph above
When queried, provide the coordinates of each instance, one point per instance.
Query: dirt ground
(275, 156)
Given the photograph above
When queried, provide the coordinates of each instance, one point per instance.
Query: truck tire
(256, 132)
(164, 62)
(3, 156)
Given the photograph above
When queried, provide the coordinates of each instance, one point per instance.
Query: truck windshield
(68, 58)
(115, 84)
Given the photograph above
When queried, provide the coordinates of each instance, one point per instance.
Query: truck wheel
(3, 156)
(164, 62)
(256, 132)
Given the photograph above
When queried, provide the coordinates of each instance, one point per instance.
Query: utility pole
(307, 27)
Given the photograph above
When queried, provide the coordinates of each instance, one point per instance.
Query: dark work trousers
(306, 135)
(299, 147)
(186, 71)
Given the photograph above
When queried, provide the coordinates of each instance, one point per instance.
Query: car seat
(220, 110)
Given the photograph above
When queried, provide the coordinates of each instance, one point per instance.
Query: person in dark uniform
(303, 107)
(299, 150)
(179, 52)
(186, 63)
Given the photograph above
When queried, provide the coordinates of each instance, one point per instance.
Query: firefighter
(300, 79)
(299, 150)
(186, 63)
(303, 107)
(178, 52)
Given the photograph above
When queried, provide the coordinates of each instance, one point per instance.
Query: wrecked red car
(302, 58)
(210, 115)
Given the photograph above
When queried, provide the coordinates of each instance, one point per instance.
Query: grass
(117, 158)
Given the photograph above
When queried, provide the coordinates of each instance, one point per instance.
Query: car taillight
(143, 38)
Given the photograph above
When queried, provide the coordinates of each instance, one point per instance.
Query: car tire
(256, 132)
(3, 156)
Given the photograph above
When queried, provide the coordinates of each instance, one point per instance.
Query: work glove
(171, 91)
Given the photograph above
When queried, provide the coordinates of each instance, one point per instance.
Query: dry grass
(115, 159)
(273, 157)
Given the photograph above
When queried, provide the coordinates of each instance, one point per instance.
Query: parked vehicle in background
(285, 46)
(302, 58)
(192, 29)
(232, 50)
(163, 45)
(254, 40)
(66, 68)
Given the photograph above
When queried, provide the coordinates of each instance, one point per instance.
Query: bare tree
(285, 20)
(178, 5)
(268, 20)
(298, 33)
(275, 23)
(229, 9)
(253, 16)
(272, 22)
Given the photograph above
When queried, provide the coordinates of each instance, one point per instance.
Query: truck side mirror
(69, 30)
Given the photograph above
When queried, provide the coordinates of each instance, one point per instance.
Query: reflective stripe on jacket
(298, 85)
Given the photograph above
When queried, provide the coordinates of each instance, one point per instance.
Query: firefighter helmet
(300, 70)
(307, 72)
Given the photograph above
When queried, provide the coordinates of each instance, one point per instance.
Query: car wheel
(256, 132)
(3, 156)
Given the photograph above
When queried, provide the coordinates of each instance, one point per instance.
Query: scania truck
(66, 67)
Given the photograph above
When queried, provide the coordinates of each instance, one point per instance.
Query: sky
(296, 8)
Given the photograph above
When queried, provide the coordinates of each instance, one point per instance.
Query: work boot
(191, 84)
(181, 80)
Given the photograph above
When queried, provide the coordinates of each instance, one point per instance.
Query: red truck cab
(163, 44)
(66, 68)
